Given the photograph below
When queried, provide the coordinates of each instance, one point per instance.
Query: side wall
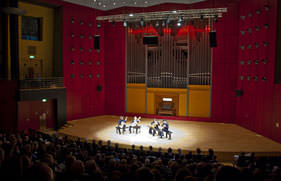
(83, 66)
(258, 108)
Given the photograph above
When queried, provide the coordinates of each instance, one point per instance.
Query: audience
(36, 156)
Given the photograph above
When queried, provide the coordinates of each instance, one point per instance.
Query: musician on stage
(135, 124)
(121, 124)
(154, 126)
(165, 128)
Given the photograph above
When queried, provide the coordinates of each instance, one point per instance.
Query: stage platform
(226, 139)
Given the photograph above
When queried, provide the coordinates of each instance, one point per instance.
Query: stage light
(163, 24)
(168, 20)
(179, 21)
(157, 24)
(216, 18)
(125, 23)
(31, 56)
(142, 22)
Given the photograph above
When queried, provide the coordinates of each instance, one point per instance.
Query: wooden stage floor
(225, 139)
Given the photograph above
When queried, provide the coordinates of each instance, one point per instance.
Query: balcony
(42, 83)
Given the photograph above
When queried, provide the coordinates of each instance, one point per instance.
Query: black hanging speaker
(213, 39)
(150, 40)
(238, 92)
(99, 88)
(97, 42)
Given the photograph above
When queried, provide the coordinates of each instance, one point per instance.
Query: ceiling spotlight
(163, 23)
(142, 22)
(125, 23)
(216, 18)
(168, 20)
(131, 14)
(157, 24)
(180, 19)
(179, 23)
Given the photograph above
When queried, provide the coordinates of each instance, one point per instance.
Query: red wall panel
(8, 104)
(114, 60)
(83, 66)
(258, 108)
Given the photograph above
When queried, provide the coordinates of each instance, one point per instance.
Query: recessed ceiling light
(104, 5)
(114, 3)
(135, 2)
(99, 3)
(145, 2)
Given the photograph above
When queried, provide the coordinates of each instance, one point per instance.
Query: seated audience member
(228, 173)
(37, 156)
(41, 171)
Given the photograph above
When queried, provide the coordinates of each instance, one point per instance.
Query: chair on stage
(119, 128)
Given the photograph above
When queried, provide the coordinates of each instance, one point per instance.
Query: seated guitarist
(165, 127)
(121, 124)
(134, 124)
(154, 126)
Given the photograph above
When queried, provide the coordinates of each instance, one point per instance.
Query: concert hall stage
(225, 139)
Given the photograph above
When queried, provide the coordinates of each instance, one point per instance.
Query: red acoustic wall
(83, 65)
(8, 104)
(259, 106)
(114, 62)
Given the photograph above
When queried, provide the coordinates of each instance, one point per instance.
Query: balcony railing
(43, 82)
